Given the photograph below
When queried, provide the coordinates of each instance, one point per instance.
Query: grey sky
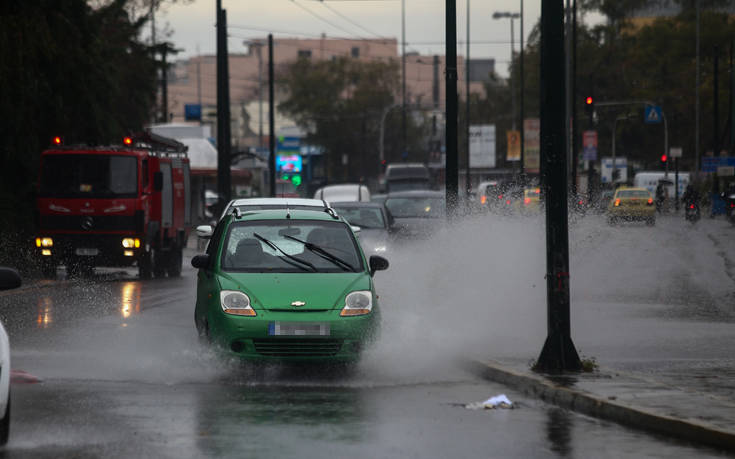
(193, 24)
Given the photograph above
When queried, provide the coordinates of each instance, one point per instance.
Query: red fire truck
(114, 206)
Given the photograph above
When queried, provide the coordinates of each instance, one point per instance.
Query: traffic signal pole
(271, 120)
(223, 109)
(451, 180)
(558, 353)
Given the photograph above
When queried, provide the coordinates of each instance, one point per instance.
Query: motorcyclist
(690, 196)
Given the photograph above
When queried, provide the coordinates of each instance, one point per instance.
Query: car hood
(277, 291)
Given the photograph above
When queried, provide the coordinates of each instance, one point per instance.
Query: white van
(650, 180)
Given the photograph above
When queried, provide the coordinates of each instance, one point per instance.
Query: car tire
(48, 271)
(651, 221)
(160, 260)
(202, 326)
(611, 221)
(144, 266)
(175, 260)
(5, 423)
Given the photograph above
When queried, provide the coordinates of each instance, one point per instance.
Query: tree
(340, 104)
(68, 70)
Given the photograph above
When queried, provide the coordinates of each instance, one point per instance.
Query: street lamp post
(258, 45)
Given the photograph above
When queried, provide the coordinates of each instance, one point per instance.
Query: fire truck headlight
(44, 242)
(129, 243)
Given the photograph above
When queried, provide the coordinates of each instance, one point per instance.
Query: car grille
(297, 347)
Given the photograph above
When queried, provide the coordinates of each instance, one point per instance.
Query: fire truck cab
(114, 206)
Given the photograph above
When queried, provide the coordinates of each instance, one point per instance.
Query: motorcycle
(692, 213)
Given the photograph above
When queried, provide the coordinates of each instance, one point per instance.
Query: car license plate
(298, 329)
(86, 252)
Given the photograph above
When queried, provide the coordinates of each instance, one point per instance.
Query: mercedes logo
(298, 303)
(87, 223)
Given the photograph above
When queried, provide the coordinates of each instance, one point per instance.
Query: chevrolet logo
(298, 303)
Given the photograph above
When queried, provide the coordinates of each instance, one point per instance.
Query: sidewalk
(626, 399)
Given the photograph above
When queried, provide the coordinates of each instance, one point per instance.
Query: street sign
(482, 146)
(192, 112)
(675, 152)
(725, 171)
(589, 145)
(621, 165)
(711, 163)
(514, 146)
(652, 114)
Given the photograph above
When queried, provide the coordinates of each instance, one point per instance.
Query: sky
(192, 25)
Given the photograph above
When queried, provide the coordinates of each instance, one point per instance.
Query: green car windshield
(274, 246)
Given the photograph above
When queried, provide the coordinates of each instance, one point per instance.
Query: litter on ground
(499, 401)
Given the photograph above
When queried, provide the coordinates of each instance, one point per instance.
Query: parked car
(374, 222)
(343, 192)
(287, 286)
(417, 214)
(9, 279)
(406, 176)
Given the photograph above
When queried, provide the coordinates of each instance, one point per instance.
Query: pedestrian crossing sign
(652, 114)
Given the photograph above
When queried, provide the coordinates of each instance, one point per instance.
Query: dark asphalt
(124, 376)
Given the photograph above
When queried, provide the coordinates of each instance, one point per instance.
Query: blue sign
(288, 144)
(193, 112)
(711, 163)
(289, 164)
(652, 114)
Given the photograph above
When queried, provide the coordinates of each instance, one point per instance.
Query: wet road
(124, 376)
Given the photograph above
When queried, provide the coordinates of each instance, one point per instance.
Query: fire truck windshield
(89, 176)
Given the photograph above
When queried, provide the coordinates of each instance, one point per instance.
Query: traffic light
(589, 107)
(664, 158)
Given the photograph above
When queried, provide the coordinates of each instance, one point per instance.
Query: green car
(287, 285)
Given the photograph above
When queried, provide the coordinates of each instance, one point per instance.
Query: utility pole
(573, 98)
(271, 119)
(467, 184)
(164, 84)
(696, 102)
(522, 113)
(450, 170)
(223, 109)
(403, 76)
(715, 106)
(558, 353)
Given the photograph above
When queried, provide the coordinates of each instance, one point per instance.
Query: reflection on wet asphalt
(124, 376)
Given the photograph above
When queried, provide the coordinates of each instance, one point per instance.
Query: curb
(604, 408)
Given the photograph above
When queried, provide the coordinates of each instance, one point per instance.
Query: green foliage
(656, 62)
(340, 104)
(68, 70)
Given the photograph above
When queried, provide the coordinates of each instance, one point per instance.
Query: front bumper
(252, 338)
(93, 249)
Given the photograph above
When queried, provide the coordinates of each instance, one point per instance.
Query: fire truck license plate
(87, 252)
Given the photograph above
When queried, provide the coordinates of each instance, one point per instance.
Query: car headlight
(358, 303)
(130, 242)
(380, 249)
(237, 303)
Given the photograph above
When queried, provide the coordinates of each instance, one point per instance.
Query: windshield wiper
(290, 257)
(324, 254)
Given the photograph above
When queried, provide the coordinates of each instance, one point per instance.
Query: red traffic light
(58, 140)
(128, 141)
(664, 158)
(589, 100)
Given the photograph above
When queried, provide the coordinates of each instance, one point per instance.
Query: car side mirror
(9, 278)
(200, 261)
(378, 263)
(204, 231)
(158, 181)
